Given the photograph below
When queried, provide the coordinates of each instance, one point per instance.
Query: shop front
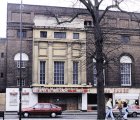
(130, 95)
(65, 100)
(69, 98)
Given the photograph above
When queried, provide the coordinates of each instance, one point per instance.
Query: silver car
(133, 111)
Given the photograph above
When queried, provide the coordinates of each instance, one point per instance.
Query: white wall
(41, 20)
(33, 98)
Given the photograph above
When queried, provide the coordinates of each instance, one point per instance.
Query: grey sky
(130, 5)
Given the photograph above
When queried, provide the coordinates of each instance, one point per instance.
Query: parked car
(133, 111)
(42, 109)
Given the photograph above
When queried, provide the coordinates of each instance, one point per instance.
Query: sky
(129, 5)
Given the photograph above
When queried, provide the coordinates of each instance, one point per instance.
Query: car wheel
(134, 114)
(53, 115)
(26, 114)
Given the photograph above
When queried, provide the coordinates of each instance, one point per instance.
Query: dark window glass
(43, 34)
(22, 64)
(59, 34)
(87, 23)
(75, 35)
(58, 72)
(42, 72)
(125, 38)
(23, 34)
(22, 82)
(94, 74)
(1, 75)
(75, 72)
(125, 70)
(2, 55)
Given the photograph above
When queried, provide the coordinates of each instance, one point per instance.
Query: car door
(47, 109)
(37, 109)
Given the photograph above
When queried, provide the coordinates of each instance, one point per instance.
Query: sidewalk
(78, 112)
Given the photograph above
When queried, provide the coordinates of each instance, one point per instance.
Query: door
(72, 103)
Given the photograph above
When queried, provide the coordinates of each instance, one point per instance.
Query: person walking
(120, 106)
(125, 109)
(109, 109)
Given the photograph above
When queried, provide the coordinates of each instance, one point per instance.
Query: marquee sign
(59, 90)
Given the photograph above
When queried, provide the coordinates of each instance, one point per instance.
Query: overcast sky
(129, 5)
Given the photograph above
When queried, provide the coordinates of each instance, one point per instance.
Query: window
(38, 106)
(22, 64)
(59, 34)
(125, 38)
(75, 35)
(23, 34)
(42, 72)
(23, 60)
(58, 72)
(1, 75)
(87, 23)
(22, 82)
(47, 106)
(2, 55)
(43, 34)
(125, 70)
(95, 73)
(75, 72)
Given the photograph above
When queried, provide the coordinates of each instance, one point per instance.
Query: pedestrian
(125, 109)
(120, 106)
(109, 109)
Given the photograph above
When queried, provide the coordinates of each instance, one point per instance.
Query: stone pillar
(83, 66)
(84, 102)
(69, 65)
(50, 63)
(35, 63)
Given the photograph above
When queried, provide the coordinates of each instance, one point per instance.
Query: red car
(42, 109)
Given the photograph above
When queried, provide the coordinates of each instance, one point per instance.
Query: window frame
(60, 36)
(126, 73)
(43, 34)
(75, 72)
(23, 33)
(23, 64)
(77, 35)
(94, 74)
(22, 81)
(59, 73)
(125, 38)
(42, 76)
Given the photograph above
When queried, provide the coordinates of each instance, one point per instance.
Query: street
(64, 116)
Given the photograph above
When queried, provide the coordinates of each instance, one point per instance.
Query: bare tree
(93, 8)
(98, 40)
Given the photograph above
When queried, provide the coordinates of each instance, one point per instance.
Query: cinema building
(57, 64)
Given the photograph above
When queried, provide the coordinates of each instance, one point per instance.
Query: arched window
(24, 59)
(95, 73)
(125, 70)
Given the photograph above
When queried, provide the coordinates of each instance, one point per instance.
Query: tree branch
(116, 5)
(99, 3)
(65, 21)
(89, 7)
(107, 8)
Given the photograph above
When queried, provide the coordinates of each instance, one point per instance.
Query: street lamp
(20, 80)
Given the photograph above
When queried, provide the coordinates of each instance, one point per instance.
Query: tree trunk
(99, 68)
